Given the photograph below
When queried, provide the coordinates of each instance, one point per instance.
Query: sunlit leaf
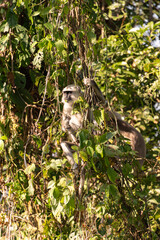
(30, 187)
(38, 59)
(36, 13)
(1, 145)
(83, 155)
(157, 215)
(62, 182)
(90, 151)
(99, 149)
(51, 184)
(30, 169)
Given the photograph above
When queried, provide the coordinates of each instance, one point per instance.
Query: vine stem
(11, 50)
(44, 96)
(40, 112)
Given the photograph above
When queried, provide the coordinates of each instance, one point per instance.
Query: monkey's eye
(68, 92)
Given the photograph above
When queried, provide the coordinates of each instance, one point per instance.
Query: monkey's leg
(68, 153)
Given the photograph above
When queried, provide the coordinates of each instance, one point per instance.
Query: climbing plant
(44, 46)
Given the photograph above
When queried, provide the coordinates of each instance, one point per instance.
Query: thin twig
(10, 48)
(45, 92)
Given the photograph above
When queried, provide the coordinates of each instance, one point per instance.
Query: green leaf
(107, 162)
(127, 168)
(105, 137)
(153, 201)
(97, 116)
(132, 74)
(49, 26)
(75, 156)
(30, 187)
(45, 11)
(90, 151)
(12, 19)
(4, 27)
(75, 148)
(62, 182)
(1, 145)
(56, 193)
(83, 136)
(93, 165)
(83, 155)
(53, 165)
(4, 41)
(20, 98)
(20, 28)
(30, 169)
(66, 9)
(59, 45)
(4, 137)
(51, 184)
(46, 148)
(70, 206)
(37, 140)
(91, 36)
(109, 152)
(157, 215)
(112, 174)
(41, 88)
(38, 59)
(20, 80)
(36, 13)
(113, 190)
(99, 149)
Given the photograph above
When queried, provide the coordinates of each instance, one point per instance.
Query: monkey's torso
(73, 122)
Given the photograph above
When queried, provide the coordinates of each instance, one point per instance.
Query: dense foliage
(45, 45)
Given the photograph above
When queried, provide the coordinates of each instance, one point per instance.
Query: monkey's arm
(88, 82)
(67, 150)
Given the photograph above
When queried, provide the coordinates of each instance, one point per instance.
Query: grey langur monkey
(71, 123)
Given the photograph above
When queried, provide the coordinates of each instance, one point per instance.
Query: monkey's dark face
(67, 96)
(71, 93)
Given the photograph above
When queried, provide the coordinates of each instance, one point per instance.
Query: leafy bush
(43, 47)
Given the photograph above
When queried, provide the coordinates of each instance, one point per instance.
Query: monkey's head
(71, 94)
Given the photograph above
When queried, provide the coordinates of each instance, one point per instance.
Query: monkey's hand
(72, 135)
